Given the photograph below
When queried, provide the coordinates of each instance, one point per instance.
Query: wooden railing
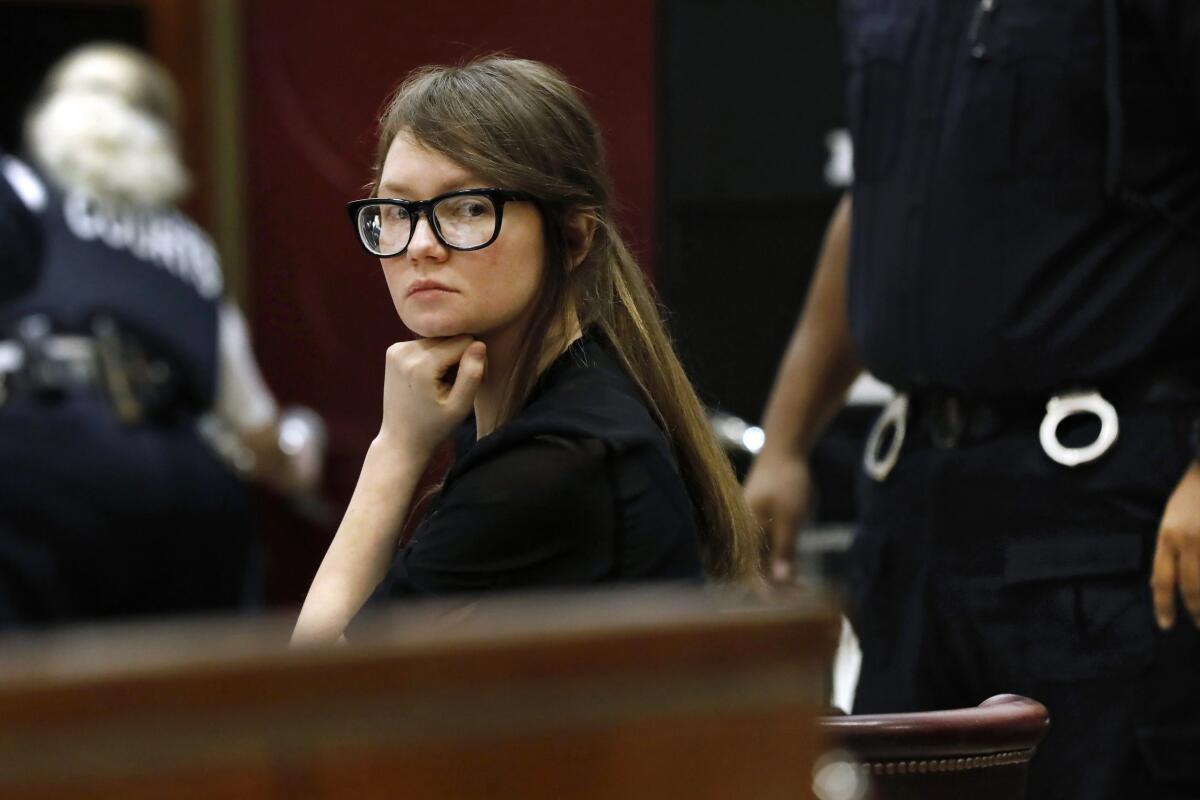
(640, 694)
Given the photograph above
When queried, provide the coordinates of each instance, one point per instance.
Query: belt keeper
(949, 423)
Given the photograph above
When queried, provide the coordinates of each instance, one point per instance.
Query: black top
(1027, 191)
(151, 271)
(581, 487)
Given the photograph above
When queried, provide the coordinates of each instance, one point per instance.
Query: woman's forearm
(364, 546)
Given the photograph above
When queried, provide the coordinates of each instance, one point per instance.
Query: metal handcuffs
(894, 417)
(1063, 406)
(1060, 407)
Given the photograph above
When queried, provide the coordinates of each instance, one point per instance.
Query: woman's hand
(429, 387)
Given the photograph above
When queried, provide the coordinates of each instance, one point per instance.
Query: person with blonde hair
(132, 410)
(582, 452)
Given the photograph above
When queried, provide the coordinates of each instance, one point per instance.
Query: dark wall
(748, 92)
(34, 35)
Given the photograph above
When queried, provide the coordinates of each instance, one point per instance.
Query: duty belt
(949, 419)
(45, 365)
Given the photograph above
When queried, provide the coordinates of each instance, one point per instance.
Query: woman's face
(438, 291)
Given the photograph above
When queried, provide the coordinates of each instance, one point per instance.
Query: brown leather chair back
(979, 753)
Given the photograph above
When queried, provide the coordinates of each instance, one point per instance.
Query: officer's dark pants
(100, 520)
(988, 568)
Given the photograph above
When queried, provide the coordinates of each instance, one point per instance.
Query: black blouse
(581, 487)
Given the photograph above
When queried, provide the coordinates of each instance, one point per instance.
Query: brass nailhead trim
(963, 764)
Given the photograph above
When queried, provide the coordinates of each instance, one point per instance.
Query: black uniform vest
(1026, 172)
(152, 272)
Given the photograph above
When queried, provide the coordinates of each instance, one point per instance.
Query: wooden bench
(633, 694)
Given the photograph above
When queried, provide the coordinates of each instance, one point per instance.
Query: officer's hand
(779, 491)
(1177, 557)
(429, 387)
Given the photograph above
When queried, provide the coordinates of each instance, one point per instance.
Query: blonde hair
(520, 125)
(105, 125)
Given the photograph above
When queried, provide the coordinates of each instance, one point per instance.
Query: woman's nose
(425, 243)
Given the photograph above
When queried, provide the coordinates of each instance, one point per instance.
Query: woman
(585, 455)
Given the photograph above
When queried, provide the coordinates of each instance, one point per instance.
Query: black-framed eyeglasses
(468, 219)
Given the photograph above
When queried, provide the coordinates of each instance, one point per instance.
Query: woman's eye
(474, 208)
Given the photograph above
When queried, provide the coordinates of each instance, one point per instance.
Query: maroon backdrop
(317, 75)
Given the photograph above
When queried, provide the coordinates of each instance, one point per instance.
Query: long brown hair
(521, 125)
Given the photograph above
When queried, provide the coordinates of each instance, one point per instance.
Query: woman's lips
(427, 286)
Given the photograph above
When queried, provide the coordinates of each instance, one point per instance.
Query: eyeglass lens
(461, 221)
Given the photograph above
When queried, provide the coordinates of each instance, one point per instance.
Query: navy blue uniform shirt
(1026, 179)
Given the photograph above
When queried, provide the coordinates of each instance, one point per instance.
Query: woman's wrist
(389, 470)
(397, 452)
(365, 543)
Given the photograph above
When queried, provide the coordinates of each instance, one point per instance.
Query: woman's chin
(434, 329)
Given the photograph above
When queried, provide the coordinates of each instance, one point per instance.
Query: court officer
(1020, 260)
(131, 406)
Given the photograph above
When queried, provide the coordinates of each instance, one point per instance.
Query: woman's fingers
(458, 367)
(439, 357)
(472, 366)
(429, 388)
